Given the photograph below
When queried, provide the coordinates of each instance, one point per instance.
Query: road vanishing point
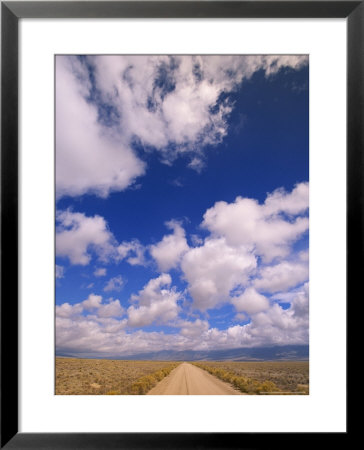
(187, 379)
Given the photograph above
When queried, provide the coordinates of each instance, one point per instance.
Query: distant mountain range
(277, 353)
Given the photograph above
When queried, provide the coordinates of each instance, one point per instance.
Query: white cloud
(303, 255)
(160, 101)
(282, 276)
(111, 309)
(88, 334)
(250, 302)
(239, 233)
(169, 250)
(59, 271)
(300, 304)
(100, 272)
(133, 251)
(214, 269)
(156, 302)
(193, 329)
(241, 317)
(92, 302)
(173, 101)
(281, 326)
(262, 227)
(106, 336)
(273, 63)
(294, 203)
(196, 240)
(285, 297)
(114, 284)
(90, 157)
(77, 234)
(197, 163)
(67, 310)
(274, 326)
(170, 103)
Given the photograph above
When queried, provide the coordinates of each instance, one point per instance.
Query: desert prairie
(108, 377)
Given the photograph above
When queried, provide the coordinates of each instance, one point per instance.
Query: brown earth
(106, 377)
(187, 379)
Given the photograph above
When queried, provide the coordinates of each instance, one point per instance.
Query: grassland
(287, 377)
(115, 377)
(108, 377)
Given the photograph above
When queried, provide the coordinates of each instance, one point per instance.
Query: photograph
(181, 224)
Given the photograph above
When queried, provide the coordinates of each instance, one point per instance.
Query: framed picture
(162, 166)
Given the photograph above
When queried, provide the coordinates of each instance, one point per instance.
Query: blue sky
(182, 203)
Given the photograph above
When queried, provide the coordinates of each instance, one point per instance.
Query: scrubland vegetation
(108, 377)
(114, 377)
(288, 377)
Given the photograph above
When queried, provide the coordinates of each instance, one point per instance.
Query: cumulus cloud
(77, 234)
(241, 232)
(156, 302)
(160, 100)
(250, 302)
(196, 240)
(107, 106)
(108, 336)
(92, 302)
(273, 326)
(282, 326)
(169, 250)
(110, 309)
(173, 104)
(221, 269)
(100, 272)
(293, 203)
(241, 317)
(90, 157)
(282, 276)
(92, 305)
(67, 310)
(78, 237)
(133, 252)
(303, 255)
(193, 329)
(214, 269)
(266, 227)
(114, 284)
(90, 335)
(300, 304)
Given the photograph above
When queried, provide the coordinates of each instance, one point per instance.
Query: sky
(182, 202)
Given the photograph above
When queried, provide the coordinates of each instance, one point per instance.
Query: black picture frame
(11, 12)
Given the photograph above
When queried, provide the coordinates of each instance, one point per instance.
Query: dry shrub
(246, 385)
(145, 384)
(108, 377)
(262, 377)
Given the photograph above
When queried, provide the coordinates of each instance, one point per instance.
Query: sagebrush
(275, 377)
(108, 377)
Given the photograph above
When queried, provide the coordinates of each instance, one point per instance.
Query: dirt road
(187, 379)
